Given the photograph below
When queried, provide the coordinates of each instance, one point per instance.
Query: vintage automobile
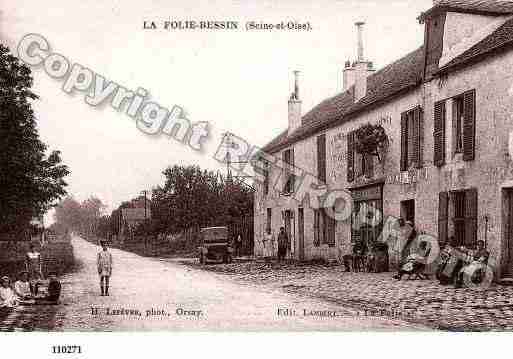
(215, 245)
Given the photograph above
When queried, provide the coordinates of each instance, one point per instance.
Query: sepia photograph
(238, 166)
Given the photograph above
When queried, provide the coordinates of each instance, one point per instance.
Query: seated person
(54, 291)
(474, 270)
(415, 262)
(8, 299)
(22, 287)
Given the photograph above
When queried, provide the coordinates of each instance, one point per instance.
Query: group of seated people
(458, 266)
(23, 292)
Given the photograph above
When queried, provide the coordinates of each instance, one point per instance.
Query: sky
(238, 81)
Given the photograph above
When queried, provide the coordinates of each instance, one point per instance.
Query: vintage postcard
(244, 166)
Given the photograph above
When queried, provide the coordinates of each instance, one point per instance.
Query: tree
(31, 180)
(193, 197)
(81, 217)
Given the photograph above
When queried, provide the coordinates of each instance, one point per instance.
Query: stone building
(446, 110)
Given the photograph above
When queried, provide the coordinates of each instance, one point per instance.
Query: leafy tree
(31, 180)
(81, 217)
(193, 197)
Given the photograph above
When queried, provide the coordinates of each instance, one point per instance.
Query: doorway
(508, 231)
(301, 230)
(408, 210)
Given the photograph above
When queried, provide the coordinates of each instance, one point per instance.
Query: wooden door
(509, 232)
(301, 230)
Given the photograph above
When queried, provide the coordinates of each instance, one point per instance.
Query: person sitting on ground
(22, 287)
(54, 291)
(405, 242)
(416, 262)
(474, 270)
(8, 299)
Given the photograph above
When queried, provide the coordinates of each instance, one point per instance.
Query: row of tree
(190, 197)
(31, 177)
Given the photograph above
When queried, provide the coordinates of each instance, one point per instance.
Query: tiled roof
(491, 7)
(497, 40)
(393, 79)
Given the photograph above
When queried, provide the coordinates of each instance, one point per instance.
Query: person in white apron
(268, 245)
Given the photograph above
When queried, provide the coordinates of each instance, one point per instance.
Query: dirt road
(152, 294)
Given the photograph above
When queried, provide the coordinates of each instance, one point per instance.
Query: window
(464, 125)
(288, 175)
(457, 218)
(411, 138)
(266, 177)
(458, 118)
(324, 228)
(268, 226)
(321, 158)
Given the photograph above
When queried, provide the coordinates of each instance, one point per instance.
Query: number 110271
(66, 349)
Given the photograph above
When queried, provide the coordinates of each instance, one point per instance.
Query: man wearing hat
(104, 262)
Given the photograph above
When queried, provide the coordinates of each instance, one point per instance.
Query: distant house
(134, 214)
(446, 109)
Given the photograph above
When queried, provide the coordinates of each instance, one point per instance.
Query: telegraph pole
(145, 192)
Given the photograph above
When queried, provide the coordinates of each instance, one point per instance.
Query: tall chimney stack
(296, 85)
(359, 26)
(356, 73)
(294, 112)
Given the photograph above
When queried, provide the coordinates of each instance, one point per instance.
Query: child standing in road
(104, 262)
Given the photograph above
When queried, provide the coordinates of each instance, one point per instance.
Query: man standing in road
(283, 241)
(104, 262)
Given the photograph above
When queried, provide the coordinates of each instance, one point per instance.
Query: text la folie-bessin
(191, 25)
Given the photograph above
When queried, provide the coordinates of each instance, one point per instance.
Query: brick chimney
(356, 73)
(295, 106)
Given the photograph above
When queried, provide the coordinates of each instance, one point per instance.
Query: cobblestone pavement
(160, 294)
(417, 301)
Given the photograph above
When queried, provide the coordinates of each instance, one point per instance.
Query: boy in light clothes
(104, 262)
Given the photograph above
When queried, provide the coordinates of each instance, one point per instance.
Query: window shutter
(355, 224)
(369, 165)
(439, 134)
(404, 141)
(419, 136)
(471, 217)
(350, 156)
(321, 158)
(331, 232)
(292, 186)
(443, 214)
(285, 158)
(316, 227)
(469, 125)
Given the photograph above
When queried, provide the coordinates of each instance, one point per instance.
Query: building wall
(492, 168)
(490, 172)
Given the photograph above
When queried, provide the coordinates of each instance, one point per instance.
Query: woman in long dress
(268, 244)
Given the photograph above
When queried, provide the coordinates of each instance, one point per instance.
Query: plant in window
(371, 139)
